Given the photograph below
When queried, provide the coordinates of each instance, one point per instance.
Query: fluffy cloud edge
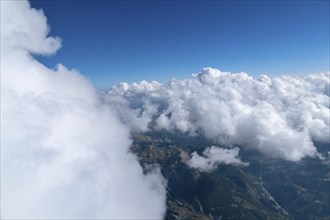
(279, 116)
(64, 154)
(214, 156)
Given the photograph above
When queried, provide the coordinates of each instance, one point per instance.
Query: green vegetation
(266, 189)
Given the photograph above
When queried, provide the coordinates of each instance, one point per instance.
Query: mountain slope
(266, 189)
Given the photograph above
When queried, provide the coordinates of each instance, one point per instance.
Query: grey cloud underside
(279, 116)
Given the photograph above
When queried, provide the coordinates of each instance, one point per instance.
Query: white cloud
(279, 116)
(214, 156)
(64, 154)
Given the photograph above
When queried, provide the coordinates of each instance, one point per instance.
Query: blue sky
(129, 41)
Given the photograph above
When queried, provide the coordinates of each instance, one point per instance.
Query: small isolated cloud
(280, 116)
(214, 156)
(64, 154)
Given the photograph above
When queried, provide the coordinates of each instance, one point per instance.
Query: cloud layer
(214, 156)
(280, 116)
(64, 154)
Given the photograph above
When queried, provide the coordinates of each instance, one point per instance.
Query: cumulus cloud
(214, 156)
(280, 116)
(64, 154)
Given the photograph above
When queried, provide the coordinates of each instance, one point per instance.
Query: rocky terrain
(265, 189)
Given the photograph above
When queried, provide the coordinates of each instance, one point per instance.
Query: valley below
(266, 188)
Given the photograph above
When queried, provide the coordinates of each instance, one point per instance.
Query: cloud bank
(279, 116)
(214, 156)
(64, 154)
